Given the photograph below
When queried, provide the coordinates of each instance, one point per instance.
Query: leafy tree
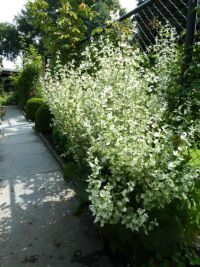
(59, 25)
(9, 41)
(29, 34)
(103, 9)
(54, 25)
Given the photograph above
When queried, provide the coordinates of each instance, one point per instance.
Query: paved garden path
(37, 226)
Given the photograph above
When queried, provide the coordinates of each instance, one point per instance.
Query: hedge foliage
(43, 119)
(114, 110)
(32, 106)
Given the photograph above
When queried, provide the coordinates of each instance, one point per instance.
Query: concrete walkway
(37, 227)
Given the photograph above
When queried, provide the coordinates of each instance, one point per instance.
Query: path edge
(51, 149)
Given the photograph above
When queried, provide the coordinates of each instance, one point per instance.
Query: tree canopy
(61, 25)
(55, 25)
(9, 41)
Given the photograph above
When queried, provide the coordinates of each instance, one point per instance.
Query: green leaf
(73, 14)
(96, 31)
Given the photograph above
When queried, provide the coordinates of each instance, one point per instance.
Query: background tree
(103, 10)
(9, 41)
(52, 25)
(55, 25)
(27, 82)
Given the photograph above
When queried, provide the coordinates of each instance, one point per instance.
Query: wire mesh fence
(150, 15)
(156, 13)
(179, 14)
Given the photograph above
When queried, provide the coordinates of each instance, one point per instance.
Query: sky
(10, 8)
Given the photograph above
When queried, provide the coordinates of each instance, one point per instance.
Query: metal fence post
(190, 32)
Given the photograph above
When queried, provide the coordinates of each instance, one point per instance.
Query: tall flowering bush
(112, 109)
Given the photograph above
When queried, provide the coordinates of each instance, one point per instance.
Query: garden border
(47, 144)
(50, 148)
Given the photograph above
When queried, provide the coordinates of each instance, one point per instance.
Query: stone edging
(48, 145)
(51, 149)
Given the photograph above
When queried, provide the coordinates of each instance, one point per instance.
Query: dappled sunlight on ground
(37, 225)
(33, 211)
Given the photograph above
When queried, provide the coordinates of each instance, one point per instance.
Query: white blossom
(114, 121)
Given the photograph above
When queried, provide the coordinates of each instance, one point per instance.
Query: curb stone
(51, 149)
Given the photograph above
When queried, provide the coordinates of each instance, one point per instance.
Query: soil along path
(37, 227)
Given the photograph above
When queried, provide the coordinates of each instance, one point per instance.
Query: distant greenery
(27, 82)
(50, 26)
(1, 110)
(10, 41)
(7, 98)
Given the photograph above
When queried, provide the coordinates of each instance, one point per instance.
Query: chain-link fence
(150, 15)
(179, 14)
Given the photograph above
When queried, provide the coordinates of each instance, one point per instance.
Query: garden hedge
(43, 119)
(32, 106)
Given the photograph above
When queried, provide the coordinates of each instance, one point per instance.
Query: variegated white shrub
(112, 109)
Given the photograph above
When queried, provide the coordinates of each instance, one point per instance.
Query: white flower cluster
(112, 109)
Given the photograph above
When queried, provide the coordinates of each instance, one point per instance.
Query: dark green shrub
(32, 106)
(61, 144)
(8, 99)
(43, 119)
(59, 139)
(70, 171)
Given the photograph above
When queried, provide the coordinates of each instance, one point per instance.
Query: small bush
(8, 98)
(32, 106)
(43, 119)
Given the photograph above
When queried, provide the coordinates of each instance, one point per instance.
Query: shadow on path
(37, 227)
